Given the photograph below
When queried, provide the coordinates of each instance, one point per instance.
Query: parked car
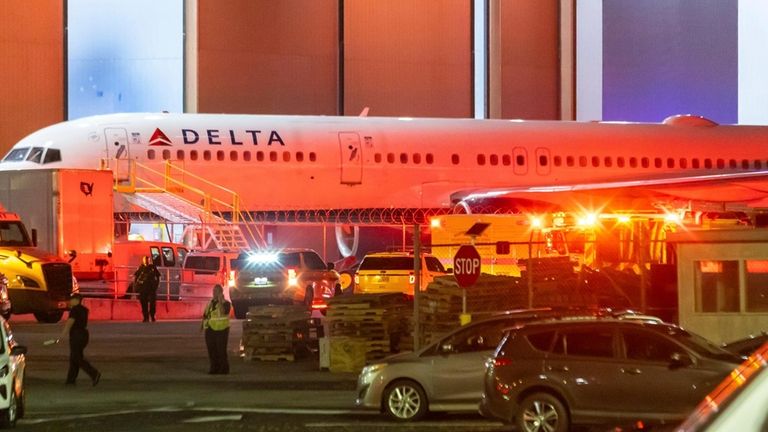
(446, 375)
(738, 403)
(393, 272)
(549, 375)
(297, 276)
(748, 345)
(202, 270)
(12, 368)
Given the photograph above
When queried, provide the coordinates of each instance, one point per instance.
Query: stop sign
(466, 266)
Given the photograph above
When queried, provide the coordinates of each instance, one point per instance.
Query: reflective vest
(214, 317)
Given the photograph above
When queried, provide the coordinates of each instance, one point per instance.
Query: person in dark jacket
(216, 326)
(76, 327)
(146, 280)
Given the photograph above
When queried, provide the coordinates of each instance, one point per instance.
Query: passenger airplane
(315, 162)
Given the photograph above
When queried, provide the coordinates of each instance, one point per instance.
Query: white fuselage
(314, 162)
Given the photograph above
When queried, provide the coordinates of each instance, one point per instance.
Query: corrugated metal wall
(31, 68)
(267, 57)
(408, 57)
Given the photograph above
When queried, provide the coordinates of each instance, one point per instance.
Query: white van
(168, 257)
(204, 269)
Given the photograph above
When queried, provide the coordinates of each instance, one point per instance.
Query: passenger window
(403, 158)
(543, 160)
(273, 156)
(313, 261)
(570, 161)
(582, 161)
(52, 155)
(758, 164)
(670, 163)
(657, 162)
(481, 159)
(494, 159)
(683, 163)
(247, 156)
(586, 343)
(633, 162)
(416, 158)
(193, 155)
(520, 160)
(207, 155)
(607, 161)
(299, 157)
(377, 157)
(645, 346)
(708, 163)
(541, 341)
(169, 258)
(260, 156)
(506, 160)
(720, 164)
(180, 155)
(166, 154)
(695, 163)
(434, 264)
(595, 161)
(620, 162)
(483, 337)
(233, 155)
(391, 158)
(430, 159)
(455, 159)
(745, 164)
(151, 154)
(312, 156)
(286, 156)
(154, 253)
(645, 162)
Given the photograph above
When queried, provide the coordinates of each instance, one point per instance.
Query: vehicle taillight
(501, 362)
(357, 279)
(232, 278)
(293, 280)
(411, 278)
(319, 304)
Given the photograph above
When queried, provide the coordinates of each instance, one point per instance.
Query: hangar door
(351, 158)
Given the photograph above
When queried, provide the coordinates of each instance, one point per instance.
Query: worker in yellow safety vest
(216, 327)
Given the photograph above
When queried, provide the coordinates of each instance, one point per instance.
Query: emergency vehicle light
(262, 258)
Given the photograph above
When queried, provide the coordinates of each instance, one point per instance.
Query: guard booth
(722, 282)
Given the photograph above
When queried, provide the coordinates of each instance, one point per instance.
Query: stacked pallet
(275, 332)
(367, 327)
(440, 305)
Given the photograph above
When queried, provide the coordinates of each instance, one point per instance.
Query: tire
(542, 412)
(309, 295)
(405, 400)
(49, 317)
(9, 416)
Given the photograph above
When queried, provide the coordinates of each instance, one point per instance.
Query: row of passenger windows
(221, 155)
(482, 159)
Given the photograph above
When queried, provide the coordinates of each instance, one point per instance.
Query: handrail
(238, 215)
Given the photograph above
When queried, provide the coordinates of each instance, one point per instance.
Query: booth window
(717, 286)
(757, 285)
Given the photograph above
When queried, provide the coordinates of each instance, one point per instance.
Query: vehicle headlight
(369, 372)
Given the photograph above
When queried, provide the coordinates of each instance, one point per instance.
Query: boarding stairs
(201, 207)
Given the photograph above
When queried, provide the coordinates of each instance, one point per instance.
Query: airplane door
(520, 161)
(542, 161)
(351, 158)
(118, 152)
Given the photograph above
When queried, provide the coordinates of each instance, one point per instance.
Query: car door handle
(631, 371)
(558, 368)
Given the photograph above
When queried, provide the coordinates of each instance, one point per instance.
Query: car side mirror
(18, 350)
(678, 360)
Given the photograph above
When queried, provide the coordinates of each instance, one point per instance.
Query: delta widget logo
(159, 138)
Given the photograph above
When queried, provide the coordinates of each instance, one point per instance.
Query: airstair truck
(71, 212)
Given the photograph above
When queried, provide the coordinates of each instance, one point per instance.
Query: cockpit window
(16, 155)
(36, 155)
(52, 155)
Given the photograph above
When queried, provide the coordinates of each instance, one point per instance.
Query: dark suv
(297, 276)
(548, 375)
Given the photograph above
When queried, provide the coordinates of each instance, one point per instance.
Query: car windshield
(701, 345)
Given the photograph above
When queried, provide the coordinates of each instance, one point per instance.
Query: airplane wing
(748, 188)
